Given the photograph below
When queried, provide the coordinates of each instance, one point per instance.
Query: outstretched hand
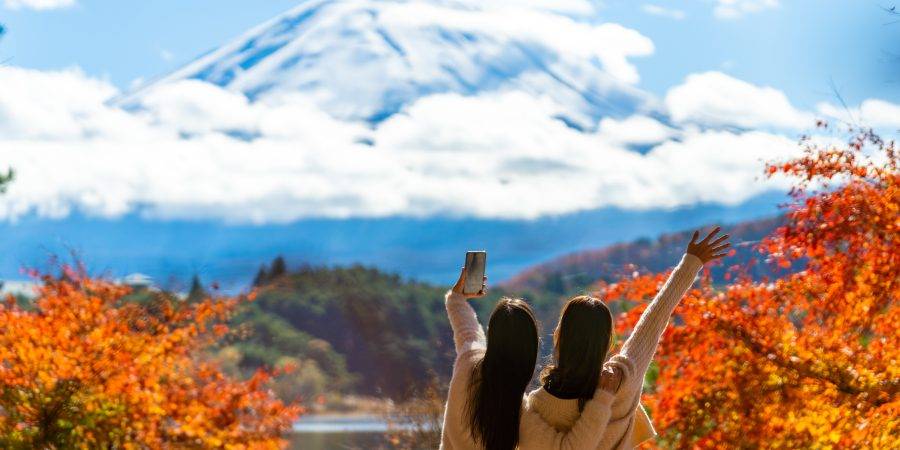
(461, 283)
(709, 249)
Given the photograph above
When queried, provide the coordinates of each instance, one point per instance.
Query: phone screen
(475, 265)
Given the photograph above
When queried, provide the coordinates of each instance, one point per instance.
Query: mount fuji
(369, 59)
(396, 133)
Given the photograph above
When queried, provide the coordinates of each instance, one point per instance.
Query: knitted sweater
(628, 425)
(469, 341)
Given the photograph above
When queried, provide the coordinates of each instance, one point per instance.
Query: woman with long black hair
(581, 345)
(490, 376)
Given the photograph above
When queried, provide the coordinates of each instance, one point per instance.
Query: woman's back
(628, 424)
(490, 374)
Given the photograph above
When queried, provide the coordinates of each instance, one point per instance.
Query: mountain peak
(365, 60)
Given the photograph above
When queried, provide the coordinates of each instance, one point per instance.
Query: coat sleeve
(640, 347)
(467, 332)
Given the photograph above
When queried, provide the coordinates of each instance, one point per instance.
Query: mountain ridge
(581, 268)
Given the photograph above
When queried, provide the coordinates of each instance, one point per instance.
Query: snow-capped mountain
(368, 59)
(396, 133)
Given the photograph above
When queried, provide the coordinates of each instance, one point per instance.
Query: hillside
(576, 271)
(352, 330)
(362, 331)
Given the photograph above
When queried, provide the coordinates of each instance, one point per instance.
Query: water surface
(339, 433)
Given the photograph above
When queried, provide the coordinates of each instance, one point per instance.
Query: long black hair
(580, 344)
(499, 380)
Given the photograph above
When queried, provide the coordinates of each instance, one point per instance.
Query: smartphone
(476, 261)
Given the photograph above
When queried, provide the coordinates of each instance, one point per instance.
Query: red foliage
(808, 359)
(84, 368)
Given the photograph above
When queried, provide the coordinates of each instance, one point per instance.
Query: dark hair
(580, 344)
(499, 380)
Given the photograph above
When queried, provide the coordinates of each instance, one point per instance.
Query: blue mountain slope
(427, 249)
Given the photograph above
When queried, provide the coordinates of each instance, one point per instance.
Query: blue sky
(799, 47)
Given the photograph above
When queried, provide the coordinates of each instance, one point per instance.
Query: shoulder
(531, 398)
(623, 363)
(625, 366)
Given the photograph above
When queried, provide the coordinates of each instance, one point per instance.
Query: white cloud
(184, 154)
(874, 113)
(732, 9)
(718, 100)
(610, 43)
(56, 105)
(166, 55)
(193, 106)
(661, 11)
(38, 4)
(640, 130)
(728, 164)
(879, 113)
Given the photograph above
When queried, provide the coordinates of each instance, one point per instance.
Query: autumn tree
(811, 357)
(82, 367)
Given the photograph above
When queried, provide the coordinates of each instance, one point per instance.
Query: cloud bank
(194, 150)
(716, 99)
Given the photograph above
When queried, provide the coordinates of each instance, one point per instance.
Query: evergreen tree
(279, 268)
(197, 292)
(262, 277)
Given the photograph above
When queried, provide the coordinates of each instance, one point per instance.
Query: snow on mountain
(368, 59)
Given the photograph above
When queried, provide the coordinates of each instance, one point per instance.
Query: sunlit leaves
(83, 368)
(811, 358)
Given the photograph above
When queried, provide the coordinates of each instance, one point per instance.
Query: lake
(338, 432)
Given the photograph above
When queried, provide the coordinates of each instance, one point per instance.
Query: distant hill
(366, 331)
(578, 270)
(426, 249)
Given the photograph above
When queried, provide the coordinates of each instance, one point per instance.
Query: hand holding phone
(472, 282)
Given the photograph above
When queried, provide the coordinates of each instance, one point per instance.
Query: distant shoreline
(341, 423)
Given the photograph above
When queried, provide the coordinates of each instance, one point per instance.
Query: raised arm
(641, 345)
(467, 332)
(588, 430)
